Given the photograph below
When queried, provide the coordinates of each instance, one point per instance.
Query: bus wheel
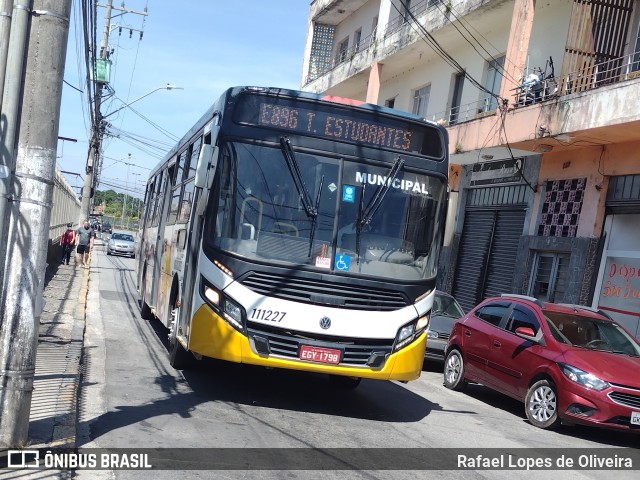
(179, 357)
(344, 383)
(145, 311)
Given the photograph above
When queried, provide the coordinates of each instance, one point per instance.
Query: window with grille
(549, 276)
(562, 203)
(421, 101)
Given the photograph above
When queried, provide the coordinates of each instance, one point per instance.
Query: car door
(511, 357)
(478, 331)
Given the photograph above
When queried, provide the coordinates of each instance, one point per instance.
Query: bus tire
(179, 357)
(145, 311)
(344, 383)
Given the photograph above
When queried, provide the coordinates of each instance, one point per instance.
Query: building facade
(541, 102)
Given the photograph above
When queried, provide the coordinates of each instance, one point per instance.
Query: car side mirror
(528, 334)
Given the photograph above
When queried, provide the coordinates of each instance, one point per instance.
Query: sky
(202, 46)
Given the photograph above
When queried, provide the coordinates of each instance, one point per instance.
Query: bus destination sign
(334, 124)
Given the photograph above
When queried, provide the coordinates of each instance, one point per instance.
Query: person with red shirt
(67, 240)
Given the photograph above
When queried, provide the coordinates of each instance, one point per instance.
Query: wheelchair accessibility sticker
(343, 262)
(348, 193)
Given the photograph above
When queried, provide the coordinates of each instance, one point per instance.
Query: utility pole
(95, 142)
(13, 81)
(96, 136)
(30, 212)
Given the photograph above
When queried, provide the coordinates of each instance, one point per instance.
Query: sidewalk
(53, 417)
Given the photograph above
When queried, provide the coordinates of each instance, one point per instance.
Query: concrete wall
(65, 209)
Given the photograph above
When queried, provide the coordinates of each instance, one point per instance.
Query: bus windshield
(261, 213)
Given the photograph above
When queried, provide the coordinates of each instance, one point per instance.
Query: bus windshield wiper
(314, 221)
(305, 197)
(365, 214)
(294, 168)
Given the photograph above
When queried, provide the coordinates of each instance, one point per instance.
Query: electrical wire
(460, 21)
(442, 53)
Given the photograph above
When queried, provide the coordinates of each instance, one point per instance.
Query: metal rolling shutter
(487, 255)
(501, 264)
(474, 249)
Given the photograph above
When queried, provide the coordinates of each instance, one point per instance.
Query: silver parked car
(122, 244)
(445, 312)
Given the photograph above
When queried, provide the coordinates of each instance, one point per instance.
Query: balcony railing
(464, 113)
(367, 42)
(416, 10)
(545, 88)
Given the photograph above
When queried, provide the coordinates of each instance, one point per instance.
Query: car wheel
(108, 252)
(454, 371)
(344, 383)
(541, 405)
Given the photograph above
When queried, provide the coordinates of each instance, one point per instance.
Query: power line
(460, 21)
(442, 53)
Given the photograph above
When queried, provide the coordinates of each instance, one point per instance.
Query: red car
(567, 363)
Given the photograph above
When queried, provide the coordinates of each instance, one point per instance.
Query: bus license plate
(319, 354)
(635, 418)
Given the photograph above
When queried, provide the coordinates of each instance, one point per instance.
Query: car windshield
(591, 333)
(259, 214)
(122, 236)
(446, 306)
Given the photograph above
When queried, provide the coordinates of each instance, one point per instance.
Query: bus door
(160, 243)
(143, 235)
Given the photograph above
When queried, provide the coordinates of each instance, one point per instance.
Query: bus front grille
(287, 344)
(317, 292)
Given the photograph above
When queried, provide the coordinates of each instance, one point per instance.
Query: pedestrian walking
(67, 240)
(84, 242)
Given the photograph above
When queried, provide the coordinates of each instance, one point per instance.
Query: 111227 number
(268, 315)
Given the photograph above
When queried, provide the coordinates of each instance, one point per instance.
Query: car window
(492, 313)
(522, 317)
(115, 236)
(127, 238)
(446, 306)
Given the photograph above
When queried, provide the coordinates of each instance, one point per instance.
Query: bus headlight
(422, 323)
(409, 332)
(222, 305)
(212, 295)
(233, 313)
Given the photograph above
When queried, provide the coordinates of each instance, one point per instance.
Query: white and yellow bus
(297, 231)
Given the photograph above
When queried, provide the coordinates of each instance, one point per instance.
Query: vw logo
(325, 322)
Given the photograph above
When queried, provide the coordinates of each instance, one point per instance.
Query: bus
(299, 231)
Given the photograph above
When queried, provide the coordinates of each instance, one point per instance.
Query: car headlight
(409, 332)
(432, 334)
(582, 378)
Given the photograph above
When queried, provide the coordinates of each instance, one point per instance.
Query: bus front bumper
(211, 336)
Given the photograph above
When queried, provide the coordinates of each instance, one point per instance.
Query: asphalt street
(130, 397)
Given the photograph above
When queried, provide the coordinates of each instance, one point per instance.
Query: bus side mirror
(207, 163)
